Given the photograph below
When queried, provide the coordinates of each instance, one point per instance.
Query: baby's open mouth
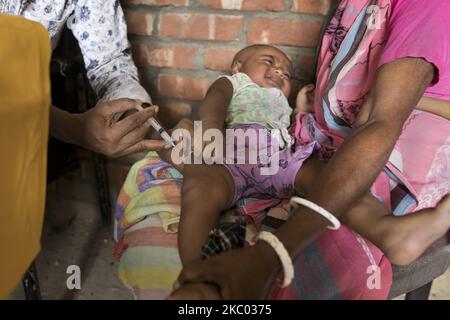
(275, 82)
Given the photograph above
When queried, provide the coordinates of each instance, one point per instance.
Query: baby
(254, 97)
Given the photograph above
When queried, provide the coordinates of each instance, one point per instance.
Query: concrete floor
(89, 245)
(84, 243)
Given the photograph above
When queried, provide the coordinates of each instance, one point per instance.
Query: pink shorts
(250, 180)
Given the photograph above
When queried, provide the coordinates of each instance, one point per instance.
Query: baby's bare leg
(307, 175)
(402, 239)
(207, 191)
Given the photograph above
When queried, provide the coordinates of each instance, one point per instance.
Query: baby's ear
(236, 67)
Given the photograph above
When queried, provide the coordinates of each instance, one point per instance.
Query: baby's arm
(212, 112)
(438, 107)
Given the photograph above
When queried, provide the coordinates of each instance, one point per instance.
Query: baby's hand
(188, 126)
(305, 99)
(197, 142)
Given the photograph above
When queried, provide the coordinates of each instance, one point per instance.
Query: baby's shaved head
(247, 52)
(265, 65)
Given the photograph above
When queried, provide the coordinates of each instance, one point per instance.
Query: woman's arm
(95, 129)
(355, 166)
(101, 32)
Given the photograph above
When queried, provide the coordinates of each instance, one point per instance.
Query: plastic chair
(416, 279)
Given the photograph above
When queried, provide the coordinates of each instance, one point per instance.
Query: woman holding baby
(370, 82)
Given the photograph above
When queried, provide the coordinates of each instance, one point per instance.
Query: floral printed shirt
(100, 28)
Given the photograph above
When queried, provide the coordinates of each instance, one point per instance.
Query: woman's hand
(305, 99)
(246, 273)
(96, 130)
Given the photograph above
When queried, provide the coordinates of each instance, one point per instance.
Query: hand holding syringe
(155, 125)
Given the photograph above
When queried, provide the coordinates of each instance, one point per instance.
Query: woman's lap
(339, 264)
(335, 266)
(149, 261)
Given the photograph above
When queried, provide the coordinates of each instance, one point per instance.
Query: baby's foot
(413, 234)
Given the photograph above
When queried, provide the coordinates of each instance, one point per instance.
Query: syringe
(155, 125)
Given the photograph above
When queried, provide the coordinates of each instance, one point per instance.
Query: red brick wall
(181, 46)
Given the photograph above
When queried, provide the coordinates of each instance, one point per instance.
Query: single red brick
(263, 5)
(226, 28)
(246, 5)
(165, 57)
(219, 58)
(139, 23)
(157, 2)
(200, 26)
(312, 6)
(291, 32)
(183, 87)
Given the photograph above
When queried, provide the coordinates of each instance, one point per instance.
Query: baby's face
(269, 68)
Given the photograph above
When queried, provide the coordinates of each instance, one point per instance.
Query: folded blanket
(151, 187)
(154, 187)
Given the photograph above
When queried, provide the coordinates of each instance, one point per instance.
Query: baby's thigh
(296, 171)
(210, 182)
